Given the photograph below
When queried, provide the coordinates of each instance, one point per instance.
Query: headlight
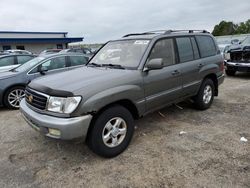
(63, 105)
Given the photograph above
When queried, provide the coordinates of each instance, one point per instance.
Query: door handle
(175, 72)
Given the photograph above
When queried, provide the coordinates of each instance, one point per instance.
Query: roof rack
(165, 32)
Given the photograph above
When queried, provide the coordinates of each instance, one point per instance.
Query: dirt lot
(210, 154)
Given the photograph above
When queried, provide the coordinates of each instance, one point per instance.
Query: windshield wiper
(113, 66)
(94, 65)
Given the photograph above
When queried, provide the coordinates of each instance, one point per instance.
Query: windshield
(29, 64)
(126, 53)
(246, 41)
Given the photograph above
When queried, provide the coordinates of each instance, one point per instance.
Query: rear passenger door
(7, 63)
(162, 86)
(190, 64)
(23, 59)
(77, 61)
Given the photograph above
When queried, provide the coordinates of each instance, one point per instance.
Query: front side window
(185, 49)
(206, 46)
(23, 59)
(6, 61)
(55, 63)
(125, 53)
(164, 49)
(78, 60)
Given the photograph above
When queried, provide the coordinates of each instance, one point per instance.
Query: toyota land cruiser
(127, 79)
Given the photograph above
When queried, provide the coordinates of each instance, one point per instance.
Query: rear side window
(6, 61)
(23, 59)
(164, 49)
(78, 60)
(185, 49)
(195, 48)
(206, 46)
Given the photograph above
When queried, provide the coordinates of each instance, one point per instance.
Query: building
(35, 41)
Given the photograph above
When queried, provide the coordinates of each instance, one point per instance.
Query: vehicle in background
(16, 51)
(85, 51)
(127, 79)
(13, 82)
(8, 62)
(238, 58)
(50, 51)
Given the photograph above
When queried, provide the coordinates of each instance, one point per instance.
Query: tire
(230, 72)
(101, 137)
(13, 96)
(205, 96)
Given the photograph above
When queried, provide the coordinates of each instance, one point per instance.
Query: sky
(101, 20)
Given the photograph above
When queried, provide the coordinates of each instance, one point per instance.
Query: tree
(224, 28)
(229, 28)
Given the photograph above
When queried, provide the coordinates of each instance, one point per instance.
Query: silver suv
(127, 79)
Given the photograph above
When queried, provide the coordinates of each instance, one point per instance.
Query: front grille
(35, 99)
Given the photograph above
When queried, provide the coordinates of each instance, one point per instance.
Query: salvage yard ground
(210, 154)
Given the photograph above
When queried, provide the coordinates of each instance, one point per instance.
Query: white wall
(34, 48)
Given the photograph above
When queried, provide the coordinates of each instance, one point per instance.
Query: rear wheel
(205, 96)
(111, 132)
(230, 72)
(13, 96)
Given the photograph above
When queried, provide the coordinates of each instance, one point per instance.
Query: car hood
(7, 74)
(234, 48)
(81, 79)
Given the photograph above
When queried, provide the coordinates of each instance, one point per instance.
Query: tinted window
(195, 48)
(206, 46)
(23, 59)
(55, 63)
(78, 60)
(7, 61)
(185, 49)
(164, 49)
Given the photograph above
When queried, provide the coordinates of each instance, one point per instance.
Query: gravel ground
(210, 154)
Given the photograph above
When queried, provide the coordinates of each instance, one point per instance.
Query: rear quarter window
(206, 45)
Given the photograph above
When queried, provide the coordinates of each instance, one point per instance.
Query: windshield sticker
(141, 42)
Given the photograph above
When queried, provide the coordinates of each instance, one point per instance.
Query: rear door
(77, 61)
(190, 64)
(21, 59)
(7, 63)
(162, 86)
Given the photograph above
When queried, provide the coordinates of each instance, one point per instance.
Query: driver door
(162, 86)
(53, 65)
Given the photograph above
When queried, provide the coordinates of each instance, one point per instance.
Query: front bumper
(238, 66)
(69, 128)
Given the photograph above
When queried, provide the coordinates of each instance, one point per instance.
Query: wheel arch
(9, 87)
(214, 78)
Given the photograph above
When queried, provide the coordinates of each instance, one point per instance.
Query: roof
(152, 34)
(40, 40)
(31, 32)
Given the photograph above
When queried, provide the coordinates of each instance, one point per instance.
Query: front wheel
(111, 132)
(205, 96)
(13, 96)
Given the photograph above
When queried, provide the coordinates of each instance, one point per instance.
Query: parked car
(12, 83)
(100, 101)
(16, 51)
(8, 62)
(85, 51)
(50, 51)
(238, 58)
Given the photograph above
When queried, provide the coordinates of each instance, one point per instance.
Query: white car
(15, 51)
(8, 62)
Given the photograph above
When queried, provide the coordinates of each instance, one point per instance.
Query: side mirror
(43, 70)
(154, 64)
